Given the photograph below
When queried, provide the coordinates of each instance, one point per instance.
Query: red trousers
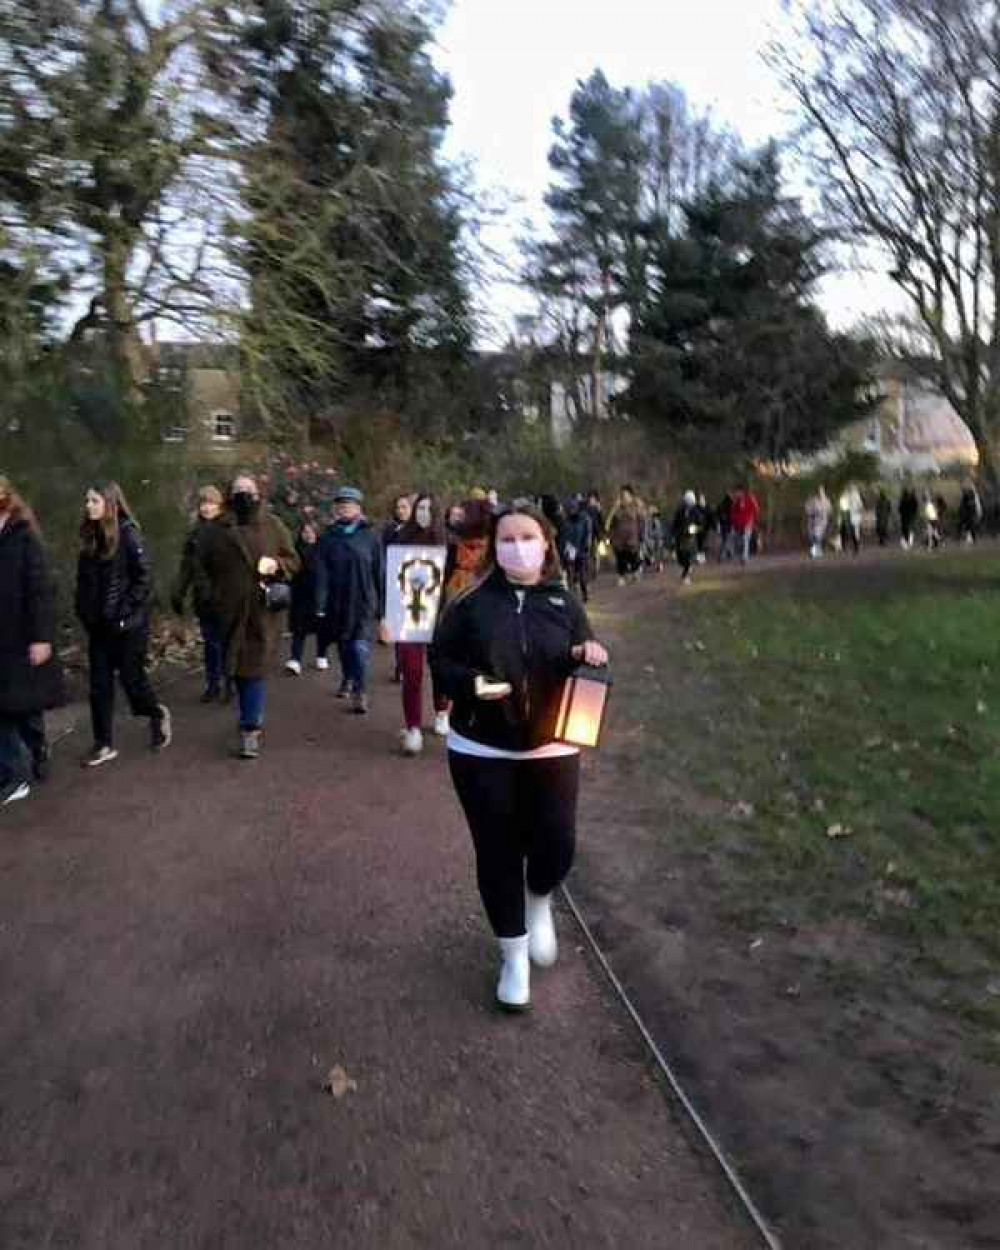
(412, 662)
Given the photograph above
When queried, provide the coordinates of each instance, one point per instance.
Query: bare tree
(901, 104)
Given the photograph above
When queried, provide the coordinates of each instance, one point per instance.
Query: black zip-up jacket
(27, 615)
(520, 635)
(114, 594)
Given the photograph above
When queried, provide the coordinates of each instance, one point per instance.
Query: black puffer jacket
(523, 636)
(114, 594)
(26, 616)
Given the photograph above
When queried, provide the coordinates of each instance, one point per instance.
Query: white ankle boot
(514, 986)
(542, 945)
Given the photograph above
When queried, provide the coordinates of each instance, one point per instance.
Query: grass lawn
(850, 721)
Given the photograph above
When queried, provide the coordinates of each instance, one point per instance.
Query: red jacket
(746, 510)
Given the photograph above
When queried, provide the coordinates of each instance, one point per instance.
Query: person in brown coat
(246, 552)
(626, 531)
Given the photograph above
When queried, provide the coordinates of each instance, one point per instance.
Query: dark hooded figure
(30, 680)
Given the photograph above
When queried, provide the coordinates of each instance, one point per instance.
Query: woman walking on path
(191, 580)
(350, 593)
(468, 530)
(248, 550)
(626, 534)
(302, 620)
(688, 524)
(818, 512)
(402, 511)
(909, 507)
(30, 681)
(113, 591)
(502, 652)
(423, 530)
(851, 507)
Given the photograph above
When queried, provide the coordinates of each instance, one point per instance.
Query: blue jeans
(15, 759)
(252, 693)
(215, 651)
(356, 660)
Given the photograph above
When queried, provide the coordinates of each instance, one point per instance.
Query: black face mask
(245, 505)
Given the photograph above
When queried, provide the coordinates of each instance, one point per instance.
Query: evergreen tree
(733, 352)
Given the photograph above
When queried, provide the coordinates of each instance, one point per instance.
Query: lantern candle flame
(581, 710)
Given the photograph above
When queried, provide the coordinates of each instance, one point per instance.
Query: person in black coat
(688, 526)
(502, 652)
(350, 593)
(30, 680)
(909, 507)
(113, 591)
(576, 539)
(302, 619)
(192, 580)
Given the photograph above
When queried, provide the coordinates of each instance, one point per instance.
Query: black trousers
(627, 562)
(578, 573)
(125, 655)
(518, 810)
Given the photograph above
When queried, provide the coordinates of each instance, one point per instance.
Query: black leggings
(627, 562)
(517, 810)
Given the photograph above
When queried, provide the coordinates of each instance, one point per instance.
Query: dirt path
(190, 944)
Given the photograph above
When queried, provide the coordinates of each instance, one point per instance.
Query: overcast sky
(514, 65)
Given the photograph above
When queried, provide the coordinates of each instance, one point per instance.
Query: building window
(175, 434)
(223, 427)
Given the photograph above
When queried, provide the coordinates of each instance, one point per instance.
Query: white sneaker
(514, 986)
(14, 794)
(442, 724)
(542, 945)
(293, 667)
(413, 741)
(322, 663)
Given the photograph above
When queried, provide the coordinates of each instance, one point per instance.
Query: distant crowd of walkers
(512, 631)
(919, 518)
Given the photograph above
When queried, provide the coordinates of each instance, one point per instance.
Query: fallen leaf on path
(338, 1083)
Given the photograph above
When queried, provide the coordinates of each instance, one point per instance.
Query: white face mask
(522, 557)
(423, 515)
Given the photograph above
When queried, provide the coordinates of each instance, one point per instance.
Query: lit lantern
(584, 702)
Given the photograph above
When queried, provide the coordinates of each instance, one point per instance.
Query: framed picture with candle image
(414, 578)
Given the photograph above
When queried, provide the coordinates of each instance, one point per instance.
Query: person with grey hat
(350, 592)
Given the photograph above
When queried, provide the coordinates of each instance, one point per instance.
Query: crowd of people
(510, 636)
(511, 631)
(919, 518)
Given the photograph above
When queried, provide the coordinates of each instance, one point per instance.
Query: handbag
(277, 596)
